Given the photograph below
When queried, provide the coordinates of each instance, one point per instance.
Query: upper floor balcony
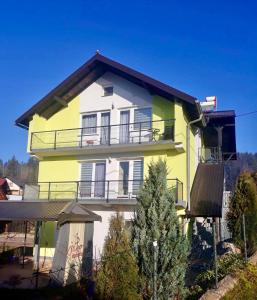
(102, 191)
(214, 155)
(139, 136)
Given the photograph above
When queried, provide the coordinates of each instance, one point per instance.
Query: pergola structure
(75, 234)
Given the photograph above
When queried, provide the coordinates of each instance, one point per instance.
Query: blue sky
(201, 47)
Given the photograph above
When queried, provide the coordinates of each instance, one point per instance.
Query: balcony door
(92, 179)
(105, 128)
(100, 179)
(124, 127)
(123, 178)
(86, 180)
(130, 177)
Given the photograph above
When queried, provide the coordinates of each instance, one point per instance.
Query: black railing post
(176, 191)
(31, 138)
(77, 196)
(108, 190)
(140, 125)
(109, 134)
(81, 137)
(49, 190)
(55, 133)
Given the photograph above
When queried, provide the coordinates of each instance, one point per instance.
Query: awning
(62, 211)
(207, 191)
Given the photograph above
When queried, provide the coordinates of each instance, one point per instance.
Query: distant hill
(245, 162)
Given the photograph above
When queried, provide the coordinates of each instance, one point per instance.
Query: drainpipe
(201, 118)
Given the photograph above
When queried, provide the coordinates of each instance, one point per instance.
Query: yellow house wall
(176, 161)
(67, 117)
(59, 168)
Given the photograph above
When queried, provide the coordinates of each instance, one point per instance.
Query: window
(142, 118)
(108, 91)
(89, 124)
(137, 176)
(123, 178)
(92, 179)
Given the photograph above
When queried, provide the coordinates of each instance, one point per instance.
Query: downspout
(201, 118)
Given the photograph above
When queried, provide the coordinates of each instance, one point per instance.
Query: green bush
(227, 264)
(244, 201)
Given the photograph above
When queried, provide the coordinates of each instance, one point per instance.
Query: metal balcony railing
(213, 155)
(106, 190)
(130, 133)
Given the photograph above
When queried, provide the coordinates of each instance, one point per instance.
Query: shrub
(227, 264)
(118, 275)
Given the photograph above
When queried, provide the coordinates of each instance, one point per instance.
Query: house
(96, 133)
(4, 189)
(15, 189)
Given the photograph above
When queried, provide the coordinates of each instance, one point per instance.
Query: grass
(246, 287)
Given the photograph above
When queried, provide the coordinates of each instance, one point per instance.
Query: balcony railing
(130, 133)
(214, 155)
(106, 190)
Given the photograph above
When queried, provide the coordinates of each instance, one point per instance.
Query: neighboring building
(4, 189)
(96, 133)
(15, 189)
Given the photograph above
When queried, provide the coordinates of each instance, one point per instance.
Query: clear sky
(201, 47)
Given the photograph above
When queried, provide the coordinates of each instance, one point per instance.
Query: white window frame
(94, 162)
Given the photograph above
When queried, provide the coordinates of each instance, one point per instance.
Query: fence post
(155, 249)
(24, 244)
(215, 252)
(244, 236)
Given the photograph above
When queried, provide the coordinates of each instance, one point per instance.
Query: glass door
(124, 127)
(86, 180)
(105, 128)
(99, 179)
(123, 178)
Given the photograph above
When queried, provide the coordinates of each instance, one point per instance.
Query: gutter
(202, 119)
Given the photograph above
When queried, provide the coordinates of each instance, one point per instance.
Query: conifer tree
(156, 220)
(118, 275)
(244, 201)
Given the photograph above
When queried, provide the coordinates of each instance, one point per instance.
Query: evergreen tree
(118, 275)
(12, 168)
(156, 220)
(244, 201)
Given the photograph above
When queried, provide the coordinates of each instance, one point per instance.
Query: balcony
(102, 192)
(141, 136)
(214, 155)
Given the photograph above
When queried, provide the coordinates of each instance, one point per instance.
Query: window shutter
(89, 124)
(86, 179)
(137, 176)
(143, 116)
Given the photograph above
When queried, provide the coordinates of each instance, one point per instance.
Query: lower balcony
(102, 192)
